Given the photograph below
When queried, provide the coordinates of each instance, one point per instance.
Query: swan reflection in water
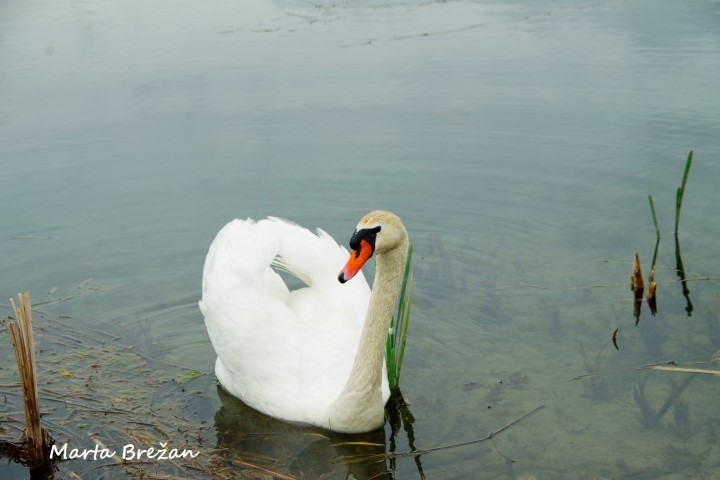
(249, 441)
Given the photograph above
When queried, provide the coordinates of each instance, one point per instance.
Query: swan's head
(378, 232)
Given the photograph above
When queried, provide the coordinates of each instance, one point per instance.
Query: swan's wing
(276, 347)
(316, 259)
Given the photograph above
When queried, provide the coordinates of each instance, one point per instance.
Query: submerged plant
(648, 418)
(597, 388)
(397, 335)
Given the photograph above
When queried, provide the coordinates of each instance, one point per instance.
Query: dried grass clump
(37, 439)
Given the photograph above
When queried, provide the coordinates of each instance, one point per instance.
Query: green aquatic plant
(397, 335)
(187, 375)
(681, 191)
(680, 269)
(654, 216)
(678, 198)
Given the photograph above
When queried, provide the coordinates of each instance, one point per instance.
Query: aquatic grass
(654, 216)
(680, 267)
(678, 198)
(397, 335)
(681, 191)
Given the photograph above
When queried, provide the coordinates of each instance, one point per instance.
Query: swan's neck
(361, 398)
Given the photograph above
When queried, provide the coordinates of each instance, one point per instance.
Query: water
(518, 141)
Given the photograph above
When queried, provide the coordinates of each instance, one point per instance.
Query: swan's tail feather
(280, 264)
(314, 258)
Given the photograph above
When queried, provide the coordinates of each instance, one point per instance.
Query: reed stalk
(21, 335)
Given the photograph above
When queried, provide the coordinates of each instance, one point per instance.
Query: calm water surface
(517, 140)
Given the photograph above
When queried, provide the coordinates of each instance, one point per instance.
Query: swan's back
(287, 354)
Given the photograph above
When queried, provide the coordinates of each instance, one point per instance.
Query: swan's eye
(371, 235)
(367, 234)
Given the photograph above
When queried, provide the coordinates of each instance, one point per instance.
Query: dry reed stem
(21, 335)
(669, 368)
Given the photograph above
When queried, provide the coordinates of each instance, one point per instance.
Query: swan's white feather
(286, 354)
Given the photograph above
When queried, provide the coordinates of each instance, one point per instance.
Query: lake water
(518, 141)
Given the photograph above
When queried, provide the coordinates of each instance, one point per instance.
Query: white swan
(315, 355)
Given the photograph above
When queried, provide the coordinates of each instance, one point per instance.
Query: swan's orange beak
(357, 259)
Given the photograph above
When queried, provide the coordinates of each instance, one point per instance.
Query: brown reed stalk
(21, 335)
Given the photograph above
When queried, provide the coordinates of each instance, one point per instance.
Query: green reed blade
(395, 344)
(405, 325)
(654, 216)
(681, 191)
(390, 361)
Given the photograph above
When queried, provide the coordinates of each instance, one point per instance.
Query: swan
(315, 355)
